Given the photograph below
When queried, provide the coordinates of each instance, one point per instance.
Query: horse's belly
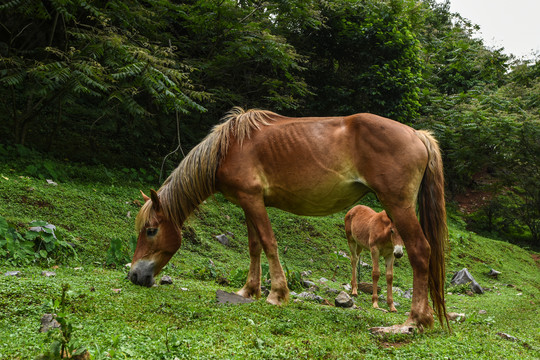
(315, 199)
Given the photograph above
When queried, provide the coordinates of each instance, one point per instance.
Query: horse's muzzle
(142, 273)
(398, 251)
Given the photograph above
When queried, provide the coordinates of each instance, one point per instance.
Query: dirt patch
(36, 203)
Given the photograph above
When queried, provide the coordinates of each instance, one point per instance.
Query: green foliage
(38, 244)
(119, 253)
(62, 343)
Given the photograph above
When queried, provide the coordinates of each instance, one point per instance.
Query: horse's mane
(194, 179)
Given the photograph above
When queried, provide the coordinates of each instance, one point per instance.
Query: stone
(307, 283)
(397, 291)
(344, 300)
(224, 297)
(507, 336)
(464, 277)
(310, 296)
(48, 322)
(165, 280)
(223, 239)
(396, 329)
(50, 182)
(407, 294)
(347, 287)
(48, 273)
(482, 312)
(13, 273)
(306, 273)
(367, 288)
(323, 280)
(454, 316)
(494, 273)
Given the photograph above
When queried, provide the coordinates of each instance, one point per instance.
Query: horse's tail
(432, 213)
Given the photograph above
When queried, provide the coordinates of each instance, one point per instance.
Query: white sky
(512, 24)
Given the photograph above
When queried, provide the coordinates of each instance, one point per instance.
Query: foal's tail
(432, 212)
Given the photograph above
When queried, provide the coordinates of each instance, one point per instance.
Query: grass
(90, 208)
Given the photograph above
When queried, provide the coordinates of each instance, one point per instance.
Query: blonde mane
(194, 179)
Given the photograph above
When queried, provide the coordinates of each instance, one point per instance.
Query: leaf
(43, 253)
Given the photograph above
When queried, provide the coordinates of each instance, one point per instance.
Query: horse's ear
(155, 200)
(146, 198)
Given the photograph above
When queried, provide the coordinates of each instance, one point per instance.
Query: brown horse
(367, 229)
(306, 166)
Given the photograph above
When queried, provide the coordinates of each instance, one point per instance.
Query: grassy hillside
(94, 207)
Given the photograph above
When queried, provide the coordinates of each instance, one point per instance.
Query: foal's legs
(389, 262)
(260, 232)
(355, 253)
(375, 275)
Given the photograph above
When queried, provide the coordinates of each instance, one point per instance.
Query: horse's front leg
(261, 228)
(389, 262)
(252, 288)
(375, 273)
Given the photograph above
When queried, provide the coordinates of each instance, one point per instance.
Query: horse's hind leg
(389, 262)
(355, 252)
(253, 282)
(418, 251)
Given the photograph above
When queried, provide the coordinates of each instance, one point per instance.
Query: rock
(165, 280)
(347, 287)
(323, 280)
(313, 288)
(494, 273)
(306, 273)
(13, 273)
(50, 182)
(507, 336)
(310, 296)
(381, 309)
(407, 294)
(223, 239)
(464, 277)
(307, 283)
(363, 264)
(482, 312)
(344, 300)
(224, 297)
(48, 322)
(397, 291)
(116, 291)
(454, 316)
(396, 329)
(367, 287)
(48, 273)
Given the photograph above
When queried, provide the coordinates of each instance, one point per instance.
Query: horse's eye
(392, 231)
(151, 231)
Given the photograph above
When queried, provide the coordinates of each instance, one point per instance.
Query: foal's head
(159, 239)
(397, 241)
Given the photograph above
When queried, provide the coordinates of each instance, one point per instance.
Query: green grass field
(94, 208)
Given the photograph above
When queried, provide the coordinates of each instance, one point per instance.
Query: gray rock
(407, 294)
(310, 296)
(397, 291)
(13, 273)
(165, 280)
(344, 300)
(494, 273)
(307, 283)
(223, 239)
(464, 277)
(48, 322)
(306, 273)
(224, 297)
(507, 336)
(48, 273)
(323, 280)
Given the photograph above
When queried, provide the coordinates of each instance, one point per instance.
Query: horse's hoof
(395, 329)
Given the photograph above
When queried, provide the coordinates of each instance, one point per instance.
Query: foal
(367, 229)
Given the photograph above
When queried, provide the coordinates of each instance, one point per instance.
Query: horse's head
(397, 241)
(159, 239)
